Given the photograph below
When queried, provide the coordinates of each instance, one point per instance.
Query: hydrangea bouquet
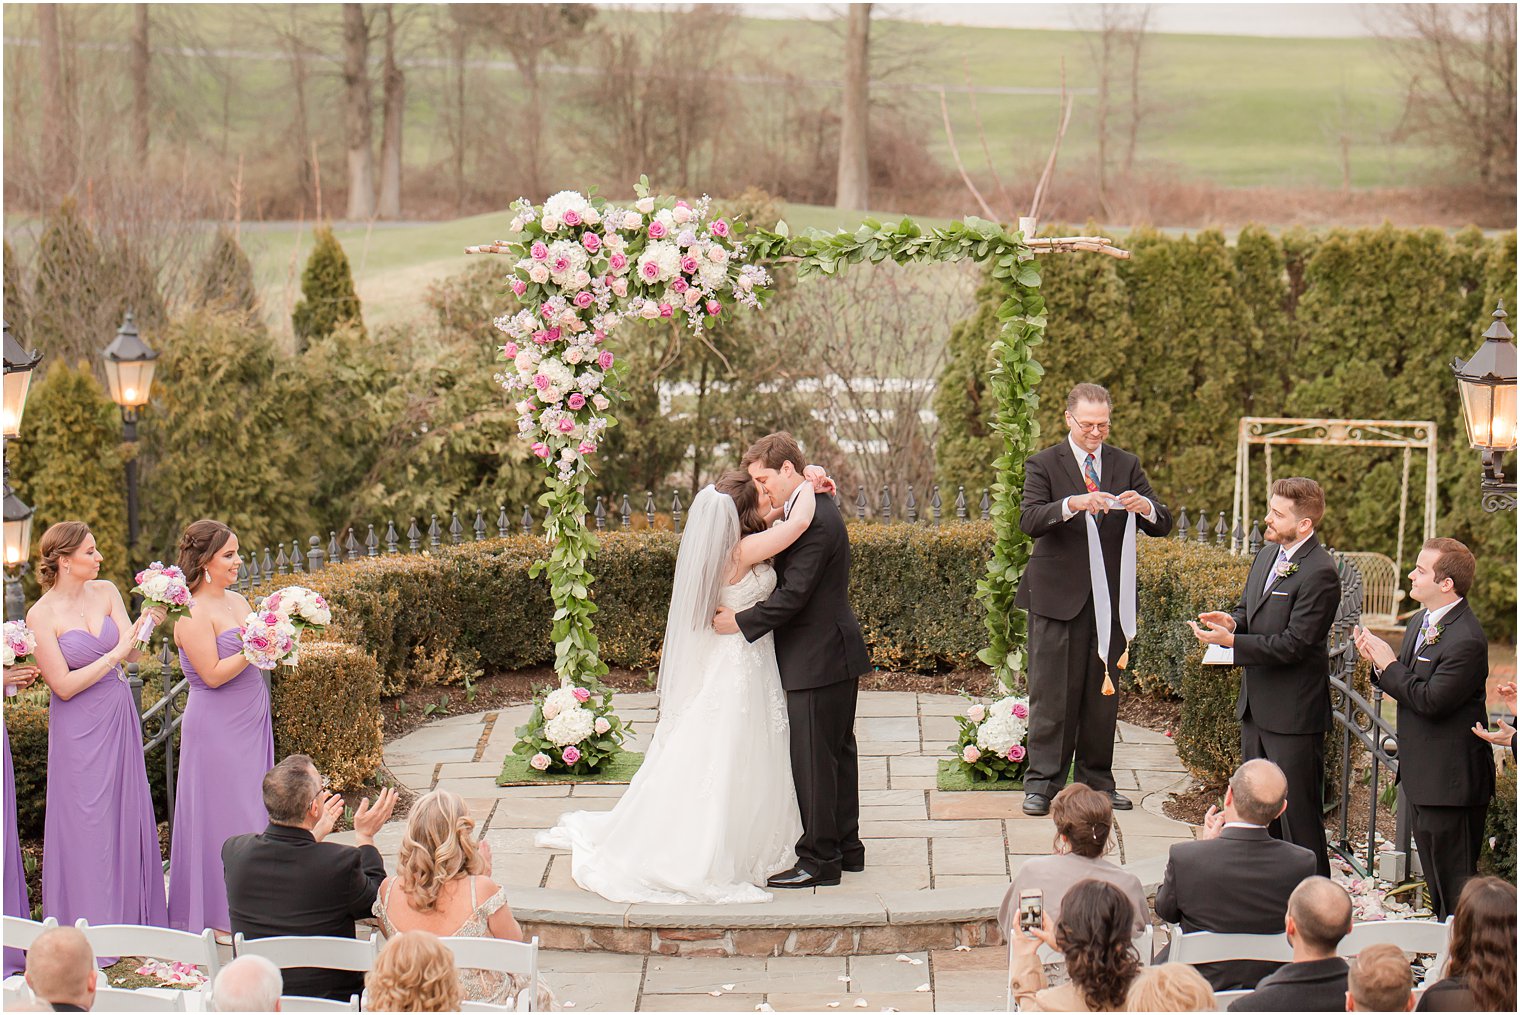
(571, 731)
(992, 742)
(162, 585)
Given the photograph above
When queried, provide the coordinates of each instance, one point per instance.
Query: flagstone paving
(931, 856)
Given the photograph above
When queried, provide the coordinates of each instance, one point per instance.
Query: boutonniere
(1283, 568)
(1430, 632)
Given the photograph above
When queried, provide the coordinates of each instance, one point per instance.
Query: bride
(712, 812)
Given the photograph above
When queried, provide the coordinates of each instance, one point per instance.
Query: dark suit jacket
(818, 640)
(1441, 694)
(1281, 641)
(282, 881)
(1057, 582)
(1238, 883)
(1300, 986)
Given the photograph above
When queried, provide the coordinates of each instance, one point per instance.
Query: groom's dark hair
(772, 450)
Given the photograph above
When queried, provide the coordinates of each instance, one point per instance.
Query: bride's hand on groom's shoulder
(724, 621)
(820, 480)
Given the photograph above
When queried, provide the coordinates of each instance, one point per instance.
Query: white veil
(712, 532)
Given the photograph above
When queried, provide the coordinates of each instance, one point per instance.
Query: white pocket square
(1279, 593)
(1422, 659)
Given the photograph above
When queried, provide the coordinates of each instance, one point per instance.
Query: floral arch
(583, 267)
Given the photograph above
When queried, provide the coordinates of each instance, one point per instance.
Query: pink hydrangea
(571, 755)
(581, 695)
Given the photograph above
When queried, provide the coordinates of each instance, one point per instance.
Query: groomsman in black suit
(1069, 715)
(1279, 632)
(1439, 678)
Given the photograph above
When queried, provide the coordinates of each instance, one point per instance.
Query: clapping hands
(369, 817)
(1372, 648)
(1504, 736)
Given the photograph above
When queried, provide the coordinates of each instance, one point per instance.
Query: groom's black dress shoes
(1036, 804)
(1120, 801)
(800, 877)
(853, 866)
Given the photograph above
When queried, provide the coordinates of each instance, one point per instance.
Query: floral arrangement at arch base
(993, 741)
(582, 268)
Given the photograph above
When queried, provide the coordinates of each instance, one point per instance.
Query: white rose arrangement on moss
(993, 740)
(570, 732)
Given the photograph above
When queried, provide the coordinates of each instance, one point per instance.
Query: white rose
(602, 725)
(600, 403)
(620, 286)
(681, 215)
(539, 273)
(550, 223)
(633, 220)
(644, 204)
(515, 226)
(651, 310)
(573, 355)
(591, 216)
(582, 279)
(717, 254)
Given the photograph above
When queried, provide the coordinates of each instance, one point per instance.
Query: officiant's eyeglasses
(1090, 427)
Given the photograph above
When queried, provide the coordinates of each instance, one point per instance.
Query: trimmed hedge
(1498, 855)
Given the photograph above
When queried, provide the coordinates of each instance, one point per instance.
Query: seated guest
(1084, 820)
(1319, 915)
(1236, 878)
(1380, 980)
(60, 969)
(1095, 935)
(1171, 986)
(248, 983)
(1481, 974)
(286, 880)
(443, 885)
(414, 972)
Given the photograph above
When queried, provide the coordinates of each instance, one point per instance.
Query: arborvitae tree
(226, 280)
(219, 438)
(327, 291)
(68, 465)
(70, 320)
(17, 316)
(131, 285)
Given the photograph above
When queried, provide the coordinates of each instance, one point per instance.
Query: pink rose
(577, 401)
(591, 242)
(1016, 753)
(1020, 710)
(599, 335)
(540, 761)
(566, 425)
(561, 264)
(581, 695)
(600, 403)
(541, 450)
(714, 308)
(620, 287)
(553, 334)
(656, 230)
(651, 271)
(688, 264)
(970, 755)
(583, 299)
(519, 286)
(680, 285)
(541, 382)
(617, 262)
(602, 725)
(718, 228)
(538, 250)
(271, 619)
(509, 350)
(541, 337)
(604, 360)
(587, 448)
(572, 218)
(570, 755)
(539, 273)
(666, 310)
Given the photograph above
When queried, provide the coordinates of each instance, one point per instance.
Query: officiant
(1084, 503)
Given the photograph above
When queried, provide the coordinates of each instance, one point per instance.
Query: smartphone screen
(1031, 909)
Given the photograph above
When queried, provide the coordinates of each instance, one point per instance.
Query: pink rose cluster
(269, 640)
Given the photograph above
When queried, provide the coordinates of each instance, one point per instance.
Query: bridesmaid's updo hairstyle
(738, 485)
(59, 541)
(202, 541)
(438, 846)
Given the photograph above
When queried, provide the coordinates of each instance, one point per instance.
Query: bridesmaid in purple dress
(226, 743)
(100, 854)
(16, 903)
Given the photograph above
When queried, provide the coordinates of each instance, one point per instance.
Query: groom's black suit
(821, 655)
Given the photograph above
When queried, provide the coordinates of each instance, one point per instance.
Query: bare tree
(853, 187)
(57, 109)
(357, 120)
(1115, 37)
(141, 62)
(391, 124)
(1460, 63)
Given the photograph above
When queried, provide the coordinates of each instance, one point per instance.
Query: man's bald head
(1320, 914)
(60, 967)
(1259, 791)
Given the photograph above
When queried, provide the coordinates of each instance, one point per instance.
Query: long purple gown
(100, 855)
(226, 747)
(15, 874)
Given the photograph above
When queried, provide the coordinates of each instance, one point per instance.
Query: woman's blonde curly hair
(439, 846)
(414, 972)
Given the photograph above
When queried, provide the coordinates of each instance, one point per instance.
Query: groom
(821, 656)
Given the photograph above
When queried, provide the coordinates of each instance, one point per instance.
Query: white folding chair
(17, 996)
(1426, 937)
(291, 1002)
(1206, 946)
(498, 956)
(296, 952)
(482, 1006)
(20, 932)
(112, 999)
(1223, 998)
(154, 943)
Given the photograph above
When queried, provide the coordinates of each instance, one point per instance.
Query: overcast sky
(1295, 20)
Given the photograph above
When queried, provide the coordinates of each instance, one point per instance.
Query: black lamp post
(1487, 384)
(19, 364)
(129, 374)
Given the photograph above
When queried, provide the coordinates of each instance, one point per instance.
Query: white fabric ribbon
(1102, 607)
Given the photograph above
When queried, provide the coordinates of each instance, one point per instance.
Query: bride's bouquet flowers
(269, 640)
(19, 644)
(584, 265)
(992, 743)
(570, 731)
(302, 607)
(162, 585)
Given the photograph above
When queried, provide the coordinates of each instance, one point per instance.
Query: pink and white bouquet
(584, 266)
(162, 585)
(993, 738)
(571, 730)
(269, 640)
(19, 644)
(299, 605)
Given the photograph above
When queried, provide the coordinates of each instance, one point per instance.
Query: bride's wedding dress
(712, 812)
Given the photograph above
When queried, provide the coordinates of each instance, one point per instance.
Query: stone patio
(914, 931)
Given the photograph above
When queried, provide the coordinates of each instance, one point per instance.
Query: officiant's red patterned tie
(1090, 473)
